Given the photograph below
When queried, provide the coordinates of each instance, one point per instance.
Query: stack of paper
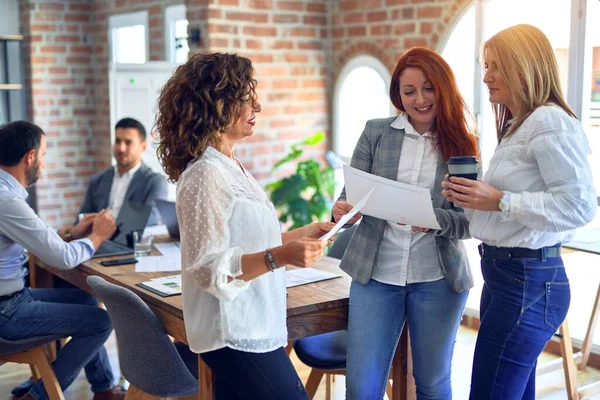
(158, 264)
(164, 286)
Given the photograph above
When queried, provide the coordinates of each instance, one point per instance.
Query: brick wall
(287, 42)
(60, 99)
(102, 10)
(385, 29)
(297, 46)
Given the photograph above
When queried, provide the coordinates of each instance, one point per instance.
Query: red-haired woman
(403, 273)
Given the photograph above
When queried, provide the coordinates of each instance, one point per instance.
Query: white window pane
(182, 48)
(554, 22)
(460, 53)
(130, 44)
(363, 96)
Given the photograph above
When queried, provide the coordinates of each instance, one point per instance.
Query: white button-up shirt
(405, 256)
(544, 166)
(223, 214)
(119, 187)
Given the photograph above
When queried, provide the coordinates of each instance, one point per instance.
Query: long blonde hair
(529, 69)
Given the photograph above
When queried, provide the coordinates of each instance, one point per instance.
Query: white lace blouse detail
(223, 214)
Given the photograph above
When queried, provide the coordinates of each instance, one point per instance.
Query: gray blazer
(378, 152)
(145, 186)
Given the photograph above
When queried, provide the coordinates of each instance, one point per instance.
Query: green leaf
(314, 139)
(292, 155)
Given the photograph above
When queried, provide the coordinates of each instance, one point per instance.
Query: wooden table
(312, 309)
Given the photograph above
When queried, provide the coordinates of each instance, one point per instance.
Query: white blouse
(224, 213)
(544, 167)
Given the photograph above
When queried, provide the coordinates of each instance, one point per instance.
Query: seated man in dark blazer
(130, 179)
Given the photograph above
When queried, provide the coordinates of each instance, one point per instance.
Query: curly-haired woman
(234, 297)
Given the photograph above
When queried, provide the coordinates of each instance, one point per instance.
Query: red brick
(219, 28)
(429, 12)
(312, 45)
(302, 32)
(260, 4)
(283, 44)
(381, 29)
(377, 16)
(285, 84)
(285, 18)
(254, 44)
(401, 29)
(426, 27)
(372, 4)
(302, 58)
(53, 49)
(51, 6)
(346, 5)
(69, 17)
(354, 18)
(315, 20)
(259, 31)
(396, 2)
(80, 7)
(229, 2)
(67, 38)
(290, 5)
(318, 7)
(357, 31)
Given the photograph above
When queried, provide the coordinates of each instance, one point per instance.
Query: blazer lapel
(390, 148)
(105, 186)
(136, 180)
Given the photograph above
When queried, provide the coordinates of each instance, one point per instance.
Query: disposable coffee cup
(463, 167)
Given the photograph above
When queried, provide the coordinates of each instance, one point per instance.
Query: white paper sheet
(302, 276)
(158, 264)
(391, 201)
(345, 218)
(170, 249)
(156, 230)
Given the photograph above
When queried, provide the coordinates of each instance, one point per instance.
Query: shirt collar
(129, 173)
(13, 184)
(402, 122)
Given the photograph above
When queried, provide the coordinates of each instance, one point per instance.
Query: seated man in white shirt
(25, 312)
(130, 179)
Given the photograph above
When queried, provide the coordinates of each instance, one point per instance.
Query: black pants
(249, 376)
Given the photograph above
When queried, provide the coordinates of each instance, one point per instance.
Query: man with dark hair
(25, 312)
(130, 179)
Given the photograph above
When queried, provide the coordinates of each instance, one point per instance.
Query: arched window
(361, 94)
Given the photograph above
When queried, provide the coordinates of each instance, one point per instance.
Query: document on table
(156, 230)
(345, 218)
(302, 276)
(390, 200)
(158, 264)
(171, 249)
(164, 286)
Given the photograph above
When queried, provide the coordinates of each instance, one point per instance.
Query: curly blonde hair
(198, 103)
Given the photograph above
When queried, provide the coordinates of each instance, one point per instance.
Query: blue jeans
(241, 375)
(67, 312)
(377, 314)
(523, 303)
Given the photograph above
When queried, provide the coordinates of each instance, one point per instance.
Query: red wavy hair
(450, 127)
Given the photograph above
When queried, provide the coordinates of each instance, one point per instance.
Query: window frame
(172, 15)
(362, 60)
(126, 20)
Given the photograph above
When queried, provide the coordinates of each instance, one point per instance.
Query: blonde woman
(537, 190)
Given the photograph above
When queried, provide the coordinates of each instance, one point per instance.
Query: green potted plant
(306, 195)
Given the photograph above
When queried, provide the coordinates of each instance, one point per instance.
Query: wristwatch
(504, 204)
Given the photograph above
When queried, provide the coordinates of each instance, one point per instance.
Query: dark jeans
(523, 303)
(250, 376)
(68, 312)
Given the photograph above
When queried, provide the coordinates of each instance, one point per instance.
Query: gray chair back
(148, 358)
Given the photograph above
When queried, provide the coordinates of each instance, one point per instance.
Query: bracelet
(270, 260)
